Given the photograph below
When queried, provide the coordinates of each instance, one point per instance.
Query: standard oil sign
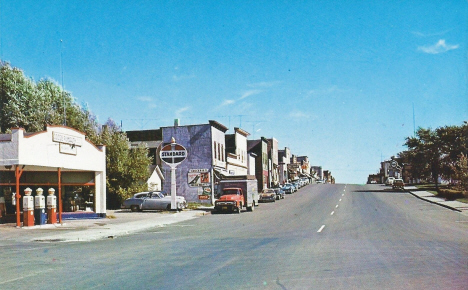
(173, 154)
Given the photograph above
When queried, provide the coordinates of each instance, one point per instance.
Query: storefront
(59, 159)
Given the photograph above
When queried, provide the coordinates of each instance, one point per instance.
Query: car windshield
(230, 192)
(156, 195)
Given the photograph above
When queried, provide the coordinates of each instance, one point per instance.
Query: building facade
(284, 159)
(59, 158)
(236, 152)
(260, 149)
(205, 163)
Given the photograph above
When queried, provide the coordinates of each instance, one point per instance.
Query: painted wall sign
(198, 177)
(67, 139)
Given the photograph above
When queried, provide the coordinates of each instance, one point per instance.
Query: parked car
(288, 188)
(398, 184)
(268, 194)
(153, 200)
(296, 184)
(390, 180)
(279, 193)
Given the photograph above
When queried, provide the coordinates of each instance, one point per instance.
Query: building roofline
(241, 131)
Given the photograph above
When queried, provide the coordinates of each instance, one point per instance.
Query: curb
(434, 202)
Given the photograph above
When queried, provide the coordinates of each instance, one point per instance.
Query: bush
(450, 194)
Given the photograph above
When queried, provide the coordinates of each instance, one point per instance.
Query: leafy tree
(33, 106)
(425, 150)
(453, 143)
(460, 169)
(127, 169)
(434, 153)
(16, 93)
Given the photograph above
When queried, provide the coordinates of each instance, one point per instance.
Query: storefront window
(78, 198)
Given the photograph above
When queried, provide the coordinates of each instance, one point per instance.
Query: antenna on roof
(414, 123)
(63, 89)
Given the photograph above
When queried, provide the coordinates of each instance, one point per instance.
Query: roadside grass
(196, 205)
(445, 191)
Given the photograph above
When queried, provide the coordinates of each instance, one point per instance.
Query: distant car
(398, 184)
(288, 188)
(296, 184)
(268, 194)
(319, 181)
(390, 181)
(373, 182)
(279, 193)
(153, 200)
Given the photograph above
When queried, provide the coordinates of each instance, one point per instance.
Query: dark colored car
(398, 184)
(279, 193)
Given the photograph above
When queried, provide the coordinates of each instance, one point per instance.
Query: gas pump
(51, 207)
(28, 208)
(39, 207)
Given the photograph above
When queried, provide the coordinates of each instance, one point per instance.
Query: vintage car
(153, 200)
(289, 188)
(268, 194)
(389, 181)
(279, 193)
(398, 184)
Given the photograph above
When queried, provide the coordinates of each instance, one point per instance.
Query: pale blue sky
(333, 80)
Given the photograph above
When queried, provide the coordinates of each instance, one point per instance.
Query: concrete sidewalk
(430, 197)
(118, 223)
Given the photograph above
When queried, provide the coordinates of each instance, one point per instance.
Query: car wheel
(168, 207)
(134, 208)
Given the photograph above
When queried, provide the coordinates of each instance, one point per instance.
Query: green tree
(460, 169)
(453, 144)
(33, 106)
(127, 168)
(435, 152)
(426, 151)
(16, 93)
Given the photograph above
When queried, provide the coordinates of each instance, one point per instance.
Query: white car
(390, 181)
(153, 200)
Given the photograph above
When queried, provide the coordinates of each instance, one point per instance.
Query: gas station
(50, 175)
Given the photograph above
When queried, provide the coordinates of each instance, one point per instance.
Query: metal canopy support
(18, 173)
(60, 193)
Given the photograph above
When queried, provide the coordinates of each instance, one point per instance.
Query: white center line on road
(342, 194)
(340, 199)
(321, 228)
(336, 206)
(332, 212)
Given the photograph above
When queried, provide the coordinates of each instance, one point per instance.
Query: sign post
(173, 154)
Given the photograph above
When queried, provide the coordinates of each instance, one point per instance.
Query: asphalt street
(322, 237)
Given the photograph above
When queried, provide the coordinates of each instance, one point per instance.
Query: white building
(60, 158)
(236, 148)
